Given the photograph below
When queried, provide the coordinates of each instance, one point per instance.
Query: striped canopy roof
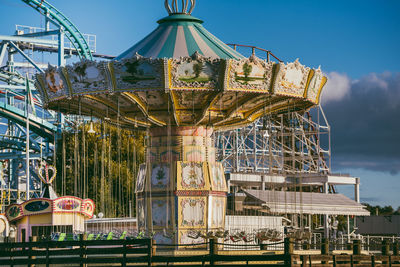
(180, 35)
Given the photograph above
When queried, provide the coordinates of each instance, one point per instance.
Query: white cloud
(337, 87)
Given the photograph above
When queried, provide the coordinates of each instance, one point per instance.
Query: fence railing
(143, 252)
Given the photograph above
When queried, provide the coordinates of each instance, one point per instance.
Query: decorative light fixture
(91, 130)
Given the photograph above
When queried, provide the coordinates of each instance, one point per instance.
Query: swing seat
(62, 237)
(90, 237)
(109, 236)
(123, 235)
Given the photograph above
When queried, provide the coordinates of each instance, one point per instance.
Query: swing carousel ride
(186, 88)
(181, 83)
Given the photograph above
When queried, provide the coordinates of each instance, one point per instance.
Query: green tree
(247, 70)
(131, 67)
(101, 166)
(197, 69)
(81, 71)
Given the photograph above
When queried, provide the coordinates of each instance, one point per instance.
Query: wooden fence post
(325, 248)
(385, 250)
(288, 250)
(47, 254)
(150, 249)
(213, 249)
(82, 250)
(124, 253)
(30, 245)
(356, 248)
(396, 248)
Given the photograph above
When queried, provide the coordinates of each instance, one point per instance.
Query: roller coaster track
(72, 33)
(38, 125)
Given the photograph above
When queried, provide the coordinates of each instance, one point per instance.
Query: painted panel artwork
(36, 206)
(252, 73)
(217, 177)
(13, 212)
(316, 83)
(88, 77)
(141, 214)
(192, 175)
(141, 178)
(137, 73)
(168, 154)
(291, 79)
(194, 153)
(217, 211)
(192, 212)
(68, 204)
(55, 85)
(161, 212)
(88, 207)
(160, 176)
(194, 72)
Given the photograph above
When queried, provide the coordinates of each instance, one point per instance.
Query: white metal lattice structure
(290, 143)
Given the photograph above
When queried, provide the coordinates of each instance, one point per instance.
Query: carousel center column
(181, 191)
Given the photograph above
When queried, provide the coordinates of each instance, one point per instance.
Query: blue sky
(355, 42)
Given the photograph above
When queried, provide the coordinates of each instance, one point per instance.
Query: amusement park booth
(49, 213)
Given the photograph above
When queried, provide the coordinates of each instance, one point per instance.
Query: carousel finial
(184, 8)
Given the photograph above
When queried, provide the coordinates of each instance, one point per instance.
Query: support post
(61, 57)
(213, 249)
(288, 250)
(357, 247)
(123, 253)
(82, 250)
(27, 148)
(385, 250)
(326, 217)
(325, 248)
(396, 248)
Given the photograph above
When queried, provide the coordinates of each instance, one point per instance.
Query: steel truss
(27, 131)
(289, 143)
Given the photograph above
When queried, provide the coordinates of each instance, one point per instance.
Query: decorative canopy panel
(196, 90)
(181, 75)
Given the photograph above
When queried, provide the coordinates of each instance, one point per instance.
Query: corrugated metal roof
(180, 35)
(308, 203)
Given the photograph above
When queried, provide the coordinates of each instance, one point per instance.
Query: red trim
(199, 193)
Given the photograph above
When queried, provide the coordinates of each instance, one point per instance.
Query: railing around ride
(145, 252)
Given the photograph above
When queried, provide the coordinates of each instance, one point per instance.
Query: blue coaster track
(15, 111)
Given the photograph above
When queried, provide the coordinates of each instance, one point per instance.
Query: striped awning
(180, 35)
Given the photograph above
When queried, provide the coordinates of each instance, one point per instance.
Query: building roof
(180, 35)
(306, 202)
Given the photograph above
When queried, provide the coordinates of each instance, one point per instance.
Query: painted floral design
(160, 176)
(192, 212)
(192, 175)
(68, 204)
(14, 212)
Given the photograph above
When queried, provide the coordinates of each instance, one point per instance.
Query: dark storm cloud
(366, 123)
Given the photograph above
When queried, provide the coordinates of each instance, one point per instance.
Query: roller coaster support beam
(27, 104)
(3, 52)
(13, 38)
(26, 57)
(61, 57)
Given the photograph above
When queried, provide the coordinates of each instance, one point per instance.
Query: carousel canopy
(181, 75)
(180, 35)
